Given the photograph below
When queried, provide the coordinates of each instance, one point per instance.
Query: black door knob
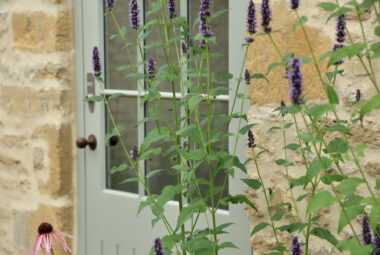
(91, 142)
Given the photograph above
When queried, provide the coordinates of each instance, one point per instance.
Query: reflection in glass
(115, 56)
(124, 110)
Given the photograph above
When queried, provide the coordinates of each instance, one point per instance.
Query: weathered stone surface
(262, 53)
(52, 71)
(60, 159)
(39, 32)
(30, 103)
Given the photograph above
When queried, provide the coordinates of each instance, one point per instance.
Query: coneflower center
(45, 228)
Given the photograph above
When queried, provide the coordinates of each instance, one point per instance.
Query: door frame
(236, 30)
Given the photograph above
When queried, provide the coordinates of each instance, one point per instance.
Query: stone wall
(37, 113)
(266, 97)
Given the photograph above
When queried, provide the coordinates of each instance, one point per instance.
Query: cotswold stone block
(262, 53)
(39, 32)
(28, 102)
(59, 140)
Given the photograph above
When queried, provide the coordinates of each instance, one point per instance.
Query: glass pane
(161, 161)
(203, 171)
(115, 56)
(157, 53)
(124, 111)
(220, 29)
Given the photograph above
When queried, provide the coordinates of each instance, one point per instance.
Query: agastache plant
(294, 4)
(266, 16)
(247, 77)
(96, 65)
(204, 15)
(295, 247)
(366, 231)
(295, 80)
(376, 241)
(171, 5)
(109, 4)
(251, 21)
(340, 35)
(251, 140)
(134, 14)
(158, 250)
(150, 68)
(134, 153)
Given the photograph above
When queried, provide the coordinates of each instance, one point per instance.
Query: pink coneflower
(45, 238)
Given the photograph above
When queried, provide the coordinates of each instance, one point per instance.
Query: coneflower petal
(39, 241)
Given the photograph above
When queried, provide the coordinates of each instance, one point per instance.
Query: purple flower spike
(134, 153)
(202, 44)
(376, 241)
(294, 4)
(150, 68)
(266, 16)
(158, 250)
(336, 47)
(340, 32)
(251, 140)
(204, 14)
(110, 4)
(134, 14)
(171, 5)
(251, 21)
(366, 231)
(296, 246)
(295, 80)
(96, 65)
(247, 77)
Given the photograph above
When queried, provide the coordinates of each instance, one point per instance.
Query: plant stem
(266, 197)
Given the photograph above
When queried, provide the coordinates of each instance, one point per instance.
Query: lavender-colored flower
(96, 65)
(340, 24)
(366, 231)
(171, 5)
(336, 47)
(204, 14)
(134, 153)
(296, 246)
(150, 68)
(109, 4)
(134, 14)
(251, 21)
(251, 140)
(158, 250)
(202, 44)
(376, 241)
(294, 4)
(247, 77)
(266, 16)
(295, 80)
(282, 105)
(358, 95)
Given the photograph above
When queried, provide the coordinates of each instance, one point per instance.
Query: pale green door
(108, 221)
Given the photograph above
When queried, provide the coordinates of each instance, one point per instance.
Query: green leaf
(292, 146)
(337, 145)
(254, 184)
(143, 204)
(273, 128)
(360, 148)
(227, 245)
(331, 75)
(194, 101)
(280, 162)
(301, 21)
(94, 99)
(328, 179)
(279, 248)
(287, 126)
(315, 167)
(317, 111)
(339, 128)
(259, 76)
(245, 129)
(259, 227)
(273, 66)
(132, 179)
(116, 169)
(352, 246)
(351, 212)
(137, 76)
(196, 206)
(292, 227)
(340, 12)
(324, 234)
(375, 47)
(377, 184)
(298, 182)
(237, 199)
(331, 94)
(278, 215)
(152, 173)
(300, 198)
(349, 185)
(320, 200)
(370, 105)
(347, 51)
(123, 68)
(377, 31)
(224, 75)
(327, 6)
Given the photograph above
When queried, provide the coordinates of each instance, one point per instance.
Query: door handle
(90, 91)
(90, 141)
